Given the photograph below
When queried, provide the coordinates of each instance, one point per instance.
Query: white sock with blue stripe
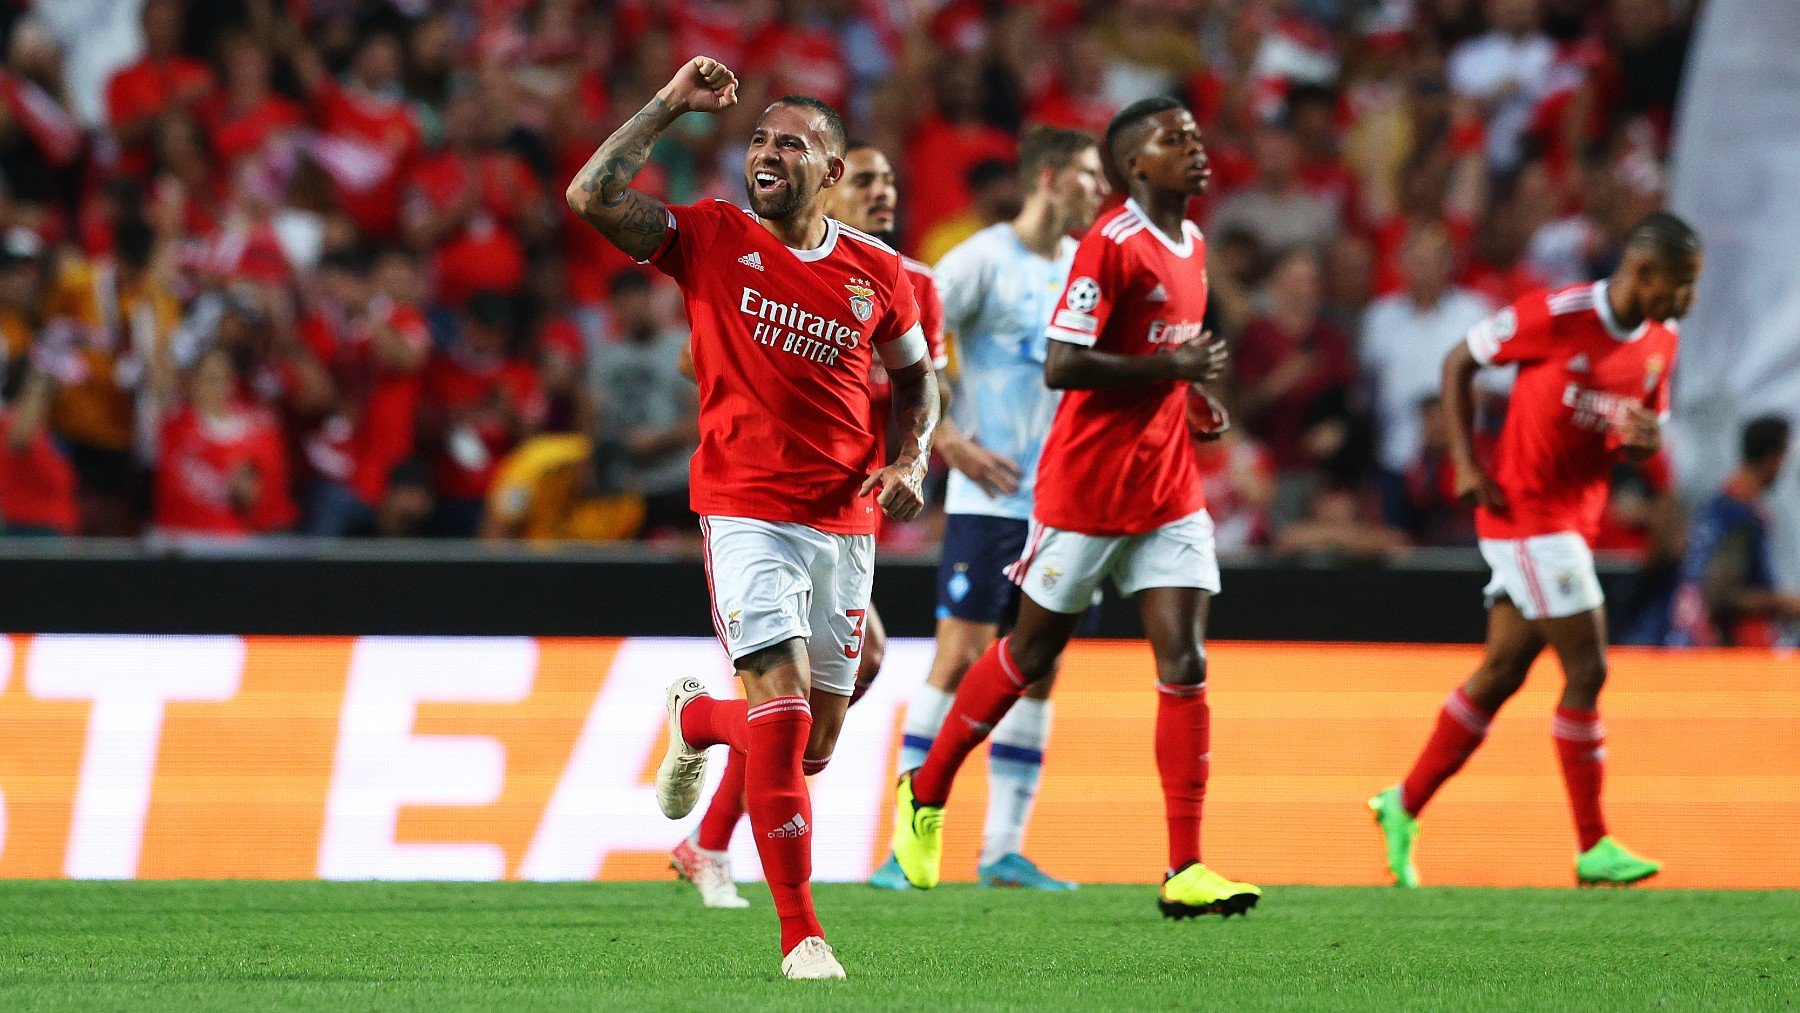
(1015, 763)
(924, 716)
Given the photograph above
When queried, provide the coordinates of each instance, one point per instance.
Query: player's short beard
(776, 209)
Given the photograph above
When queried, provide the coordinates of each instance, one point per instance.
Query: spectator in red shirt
(473, 203)
(1435, 515)
(37, 483)
(1294, 376)
(1240, 486)
(802, 56)
(1323, 171)
(221, 467)
(1075, 99)
(478, 400)
(246, 112)
(163, 82)
(371, 139)
(949, 142)
(373, 347)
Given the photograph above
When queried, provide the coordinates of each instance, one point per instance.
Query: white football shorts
(773, 581)
(1545, 576)
(1061, 570)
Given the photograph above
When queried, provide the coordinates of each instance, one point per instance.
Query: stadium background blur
(355, 201)
(271, 271)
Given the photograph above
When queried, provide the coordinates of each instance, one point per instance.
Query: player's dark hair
(1665, 236)
(1764, 438)
(1050, 148)
(837, 138)
(1120, 129)
(987, 172)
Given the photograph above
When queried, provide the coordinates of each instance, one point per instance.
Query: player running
(1593, 384)
(787, 309)
(864, 199)
(1118, 494)
(999, 289)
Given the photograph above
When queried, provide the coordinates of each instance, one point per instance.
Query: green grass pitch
(646, 946)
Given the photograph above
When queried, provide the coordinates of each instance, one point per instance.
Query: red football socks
(1183, 759)
(781, 811)
(1581, 747)
(1461, 726)
(726, 807)
(710, 721)
(987, 692)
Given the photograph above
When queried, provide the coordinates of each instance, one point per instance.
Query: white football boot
(683, 767)
(811, 959)
(709, 871)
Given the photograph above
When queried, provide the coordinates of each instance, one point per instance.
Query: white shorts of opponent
(1061, 570)
(773, 581)
(1544, 576)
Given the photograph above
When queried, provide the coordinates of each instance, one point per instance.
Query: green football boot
(1400, 829)
(1607, 863)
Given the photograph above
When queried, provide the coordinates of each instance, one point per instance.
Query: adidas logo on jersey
(795, 827)
(1579, 364)
(752, 259)
(1158, 294)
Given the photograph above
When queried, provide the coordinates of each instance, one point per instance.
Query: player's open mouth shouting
(769, 183)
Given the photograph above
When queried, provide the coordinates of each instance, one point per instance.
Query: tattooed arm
(601, 192)
(900, 486)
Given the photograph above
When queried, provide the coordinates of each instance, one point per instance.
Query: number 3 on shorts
(853, 649)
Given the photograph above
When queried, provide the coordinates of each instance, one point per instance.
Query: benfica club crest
(1653, 368)
(862, 299)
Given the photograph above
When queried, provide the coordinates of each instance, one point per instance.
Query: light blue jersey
(998, 297)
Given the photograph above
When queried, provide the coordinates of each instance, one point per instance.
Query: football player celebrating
(787, 309)
(864, 199)
(1118, 495)
(1593, 385)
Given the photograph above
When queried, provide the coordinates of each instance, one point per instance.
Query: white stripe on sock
(1012, 784)
(924, 716)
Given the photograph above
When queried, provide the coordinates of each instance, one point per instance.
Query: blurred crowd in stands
(302, 265)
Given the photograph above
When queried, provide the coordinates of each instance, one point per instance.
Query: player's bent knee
(1183, 666)
(1588, 677)
(1036, 659)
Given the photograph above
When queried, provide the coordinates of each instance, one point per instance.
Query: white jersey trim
(1188, 231)
(904, 350)
(823, 250)
(855, 233)
(1071, 337)
(1604, 309)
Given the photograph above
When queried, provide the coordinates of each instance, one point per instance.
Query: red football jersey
(197, 461)
(783, 341)
(1579, 372)
(375, 431)
(455, 383)
(485, 254)
(1118, 460)
(937, 354)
